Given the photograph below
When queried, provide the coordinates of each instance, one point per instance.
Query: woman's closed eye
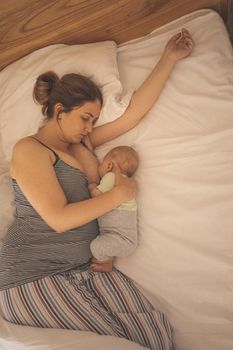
(89, 118)
(86, 117)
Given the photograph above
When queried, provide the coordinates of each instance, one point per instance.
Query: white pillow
(21, 116)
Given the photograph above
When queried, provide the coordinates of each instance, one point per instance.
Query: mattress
(185, 199)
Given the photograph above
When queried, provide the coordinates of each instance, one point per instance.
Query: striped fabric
(104, 303)
(45, 281)
(33, 250)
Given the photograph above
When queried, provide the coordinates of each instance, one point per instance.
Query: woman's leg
(59, 301)
(140, 322)
(104, 303)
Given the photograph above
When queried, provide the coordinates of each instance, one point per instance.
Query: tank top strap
(43, 144)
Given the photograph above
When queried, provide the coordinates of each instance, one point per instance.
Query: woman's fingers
(188, 42)
(180, 45)
(185, 33)
(183, 36)
(185, 39)
(187, 36)
(87, 142)
(176, 37)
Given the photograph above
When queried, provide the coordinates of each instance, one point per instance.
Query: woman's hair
(71, 90)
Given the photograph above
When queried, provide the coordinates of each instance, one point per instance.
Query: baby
(118, 228)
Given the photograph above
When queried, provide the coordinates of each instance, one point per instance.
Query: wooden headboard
(27, 25)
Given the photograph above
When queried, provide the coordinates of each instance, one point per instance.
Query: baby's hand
(92, 186)
(93, 190)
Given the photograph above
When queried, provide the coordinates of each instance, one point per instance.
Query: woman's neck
(50, 134)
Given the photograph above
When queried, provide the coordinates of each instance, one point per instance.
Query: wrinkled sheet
(185, 178)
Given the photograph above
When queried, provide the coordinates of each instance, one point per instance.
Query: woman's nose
(89, 126)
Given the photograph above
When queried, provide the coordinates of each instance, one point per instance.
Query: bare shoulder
(32, 168)
(25, 152)
(27, 147)
(26, 144)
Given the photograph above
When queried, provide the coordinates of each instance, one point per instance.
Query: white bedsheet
(184, 260)
(185, 177)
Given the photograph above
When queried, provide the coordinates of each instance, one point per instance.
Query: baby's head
(124, 156)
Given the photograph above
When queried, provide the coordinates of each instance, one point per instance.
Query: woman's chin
(76, 139)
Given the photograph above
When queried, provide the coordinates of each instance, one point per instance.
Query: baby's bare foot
(102, 266)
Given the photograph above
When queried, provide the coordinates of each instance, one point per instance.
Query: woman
(45, 279)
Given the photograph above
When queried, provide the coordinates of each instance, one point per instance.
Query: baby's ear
(110, 166)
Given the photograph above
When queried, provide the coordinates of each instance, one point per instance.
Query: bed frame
(27, 25)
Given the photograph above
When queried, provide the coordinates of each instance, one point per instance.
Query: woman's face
(79, 122)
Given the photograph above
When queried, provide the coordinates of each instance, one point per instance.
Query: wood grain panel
(27, 25)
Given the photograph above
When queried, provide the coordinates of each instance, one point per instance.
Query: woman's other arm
(178, 47)
(32, 167)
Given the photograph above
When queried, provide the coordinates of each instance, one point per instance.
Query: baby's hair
(126, 158)
(71, 90)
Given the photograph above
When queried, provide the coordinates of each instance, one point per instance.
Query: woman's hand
(87, 142)
(179, 46)
(127, 185)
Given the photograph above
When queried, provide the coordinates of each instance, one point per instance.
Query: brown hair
(126, 158)
(71, 90)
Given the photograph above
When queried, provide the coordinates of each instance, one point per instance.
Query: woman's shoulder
(24, 142)
(27, 144)
(25, 152)
(28, 148)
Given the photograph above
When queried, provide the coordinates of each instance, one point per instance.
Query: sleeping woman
(45, 280)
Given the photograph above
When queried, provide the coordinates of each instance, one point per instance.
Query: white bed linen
(184, 260)
(185, 144)
(14, 337)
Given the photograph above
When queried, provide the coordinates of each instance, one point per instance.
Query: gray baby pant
(118, 234)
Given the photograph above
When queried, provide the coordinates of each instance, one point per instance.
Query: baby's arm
(106, 184)
(94, 190)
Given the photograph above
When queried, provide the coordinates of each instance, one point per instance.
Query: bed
(185, 144)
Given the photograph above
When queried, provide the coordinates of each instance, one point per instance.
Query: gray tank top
(32, 250)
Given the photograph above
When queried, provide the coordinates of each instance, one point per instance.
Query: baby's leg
(118, 235)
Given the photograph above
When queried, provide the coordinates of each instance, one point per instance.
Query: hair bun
(44, 86)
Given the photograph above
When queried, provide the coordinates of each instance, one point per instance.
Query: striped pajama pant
(104, 303)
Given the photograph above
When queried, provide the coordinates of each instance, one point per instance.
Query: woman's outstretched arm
(178, 47)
